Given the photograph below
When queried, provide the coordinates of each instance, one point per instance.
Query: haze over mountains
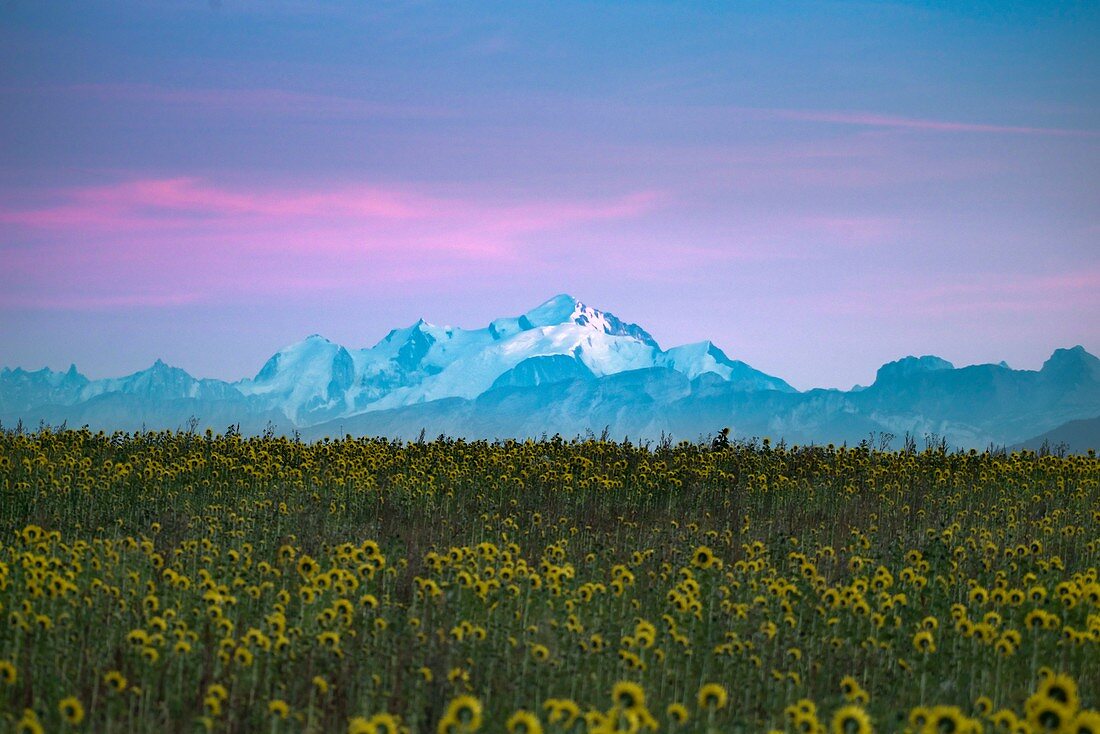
(563, 367)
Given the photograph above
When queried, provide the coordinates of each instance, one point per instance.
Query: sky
(816, 187)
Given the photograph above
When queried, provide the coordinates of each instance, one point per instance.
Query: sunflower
(1048, 714)
(1086, 722)
(384, 724)
(1004, 719)
(29, 724)
(703, 557)
(524, 722)
(212, 705)
(805, 723)
(850, 720)
(923, 642)
(464, 711)
(944, 720)
(279, 708)
(1060, 688)
(562, 711)
(242, 656)
(712, 696)
(8, 674)
(850, 687)
(71, 710)
(677, 713)
(919, 716)
(116, 681)
(307, 567)
(628, 696)
(359, 725)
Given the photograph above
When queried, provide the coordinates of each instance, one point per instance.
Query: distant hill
(1077, 436)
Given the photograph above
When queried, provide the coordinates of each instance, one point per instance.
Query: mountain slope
(982, 404)
(1077, 436)
(704, 357)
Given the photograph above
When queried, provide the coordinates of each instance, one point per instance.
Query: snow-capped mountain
(21, 389)
(306, 380)
(562, 367)
(316, 379)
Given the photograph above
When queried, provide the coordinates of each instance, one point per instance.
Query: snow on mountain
(564, 309)
(161, 382)
(316, 379)
(704, 357)
(307, 380)
(436, 362)
(21, 389)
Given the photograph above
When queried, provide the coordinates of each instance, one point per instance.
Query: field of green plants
(180, 582)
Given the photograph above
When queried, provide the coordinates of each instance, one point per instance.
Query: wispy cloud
(988, 295)
(166, 202)
(251, 100)
(880, 120)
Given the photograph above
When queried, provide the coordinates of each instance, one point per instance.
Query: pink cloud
(188, 239)
(168, 203)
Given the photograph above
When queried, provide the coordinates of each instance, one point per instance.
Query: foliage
(174, 582)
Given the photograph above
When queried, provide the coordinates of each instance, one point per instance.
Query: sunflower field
(180, 582)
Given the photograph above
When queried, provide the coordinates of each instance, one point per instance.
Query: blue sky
(816, 187)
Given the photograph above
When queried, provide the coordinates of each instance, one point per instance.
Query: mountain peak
(564, 308)
(1076, 353)
(1074, 359)
(557, 310)
(909, 366)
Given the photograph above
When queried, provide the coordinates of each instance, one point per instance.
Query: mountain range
(567, 368)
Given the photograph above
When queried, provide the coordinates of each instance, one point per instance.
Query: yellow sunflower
(1060, 688)
(923, 642)
(1048, 715)
(628, 696)
(464, 711)
(850, 720)
(524, 722)
(712, 696)
(71, 710)
(945, 720)
(677, 713)
(278, 708)
(116, 681)
(1086, 722)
